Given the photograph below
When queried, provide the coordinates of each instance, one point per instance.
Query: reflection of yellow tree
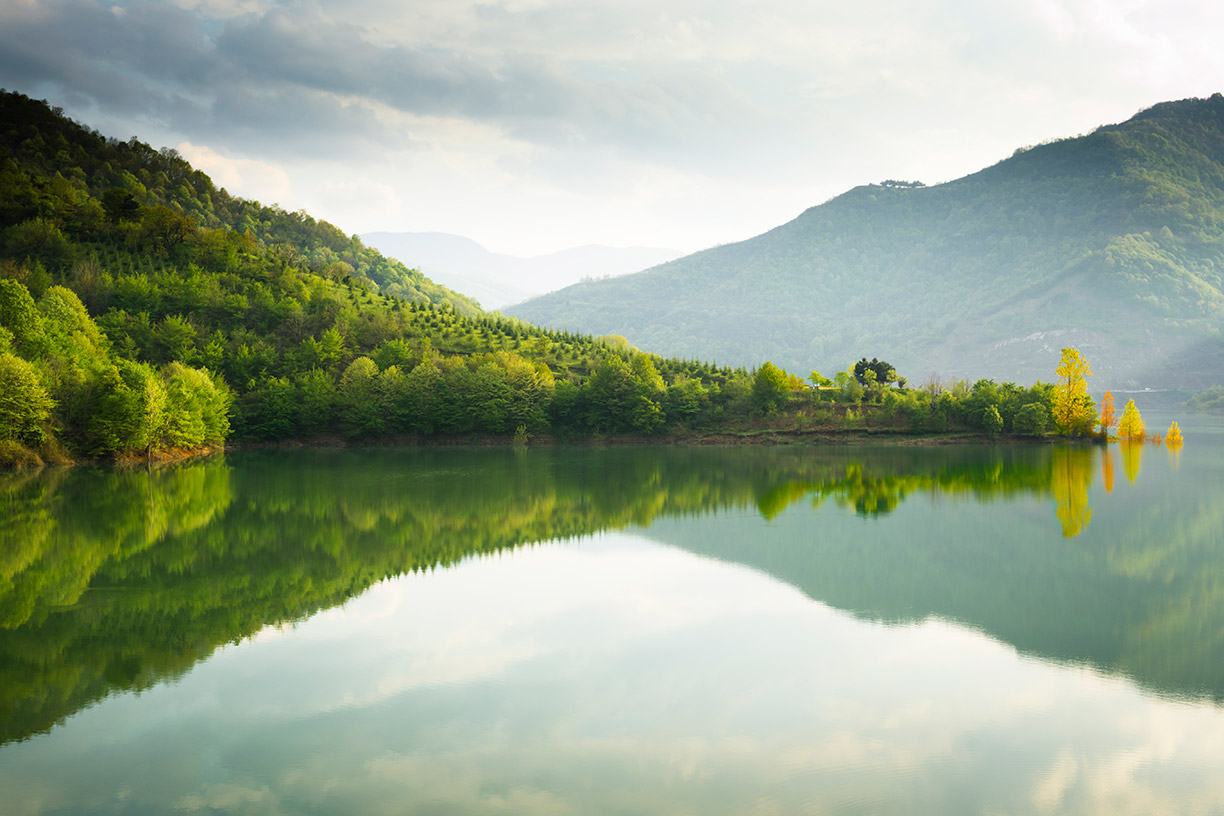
(1071, 475)
(1174, 442)
(1131, 451)
(1107, 470)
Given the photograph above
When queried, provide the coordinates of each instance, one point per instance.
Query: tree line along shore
(146, 313)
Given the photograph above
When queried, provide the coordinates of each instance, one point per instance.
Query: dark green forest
(1112, 242)
(144, 311)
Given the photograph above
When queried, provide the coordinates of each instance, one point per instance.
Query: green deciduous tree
(991, 422)
(25, 406)
(770, 388)
(21, 317)
(361, 408)
(197, 408)
(128, 402)
(1031, 419)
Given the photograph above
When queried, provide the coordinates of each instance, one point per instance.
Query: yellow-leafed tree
(1073, 409)
(1173, 438)
(1130, 426)
(1108, 420)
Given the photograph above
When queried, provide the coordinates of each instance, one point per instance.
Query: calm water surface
(987, 630)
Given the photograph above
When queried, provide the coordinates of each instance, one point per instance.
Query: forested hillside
(1112, 242)
(142, 309)
(75, 180)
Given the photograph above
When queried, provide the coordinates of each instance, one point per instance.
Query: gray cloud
(777, 104)
(531, 97)
(296, 78)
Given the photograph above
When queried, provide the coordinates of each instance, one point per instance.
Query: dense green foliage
(1113, 242)
(64, 385)
(310, 332)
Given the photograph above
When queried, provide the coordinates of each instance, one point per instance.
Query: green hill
(80, 168)
(142, 309)
(1112, 242)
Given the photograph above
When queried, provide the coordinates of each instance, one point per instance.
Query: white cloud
(362, 199)
(246, 178)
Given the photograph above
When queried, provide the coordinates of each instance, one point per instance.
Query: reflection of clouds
(229, 798)
(1052, 788)
(501, 611)
(623, 677)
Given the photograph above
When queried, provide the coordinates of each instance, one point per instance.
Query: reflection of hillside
(1141, 593)
(114, 580)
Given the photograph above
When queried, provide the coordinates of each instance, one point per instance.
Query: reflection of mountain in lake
(113, 580)
(1141, 592)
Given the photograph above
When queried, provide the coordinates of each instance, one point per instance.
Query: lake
(622, 630)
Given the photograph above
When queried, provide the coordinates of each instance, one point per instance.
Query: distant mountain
(498, 280)
(1112, 242)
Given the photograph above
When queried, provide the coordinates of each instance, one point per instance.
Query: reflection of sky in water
(611, 675)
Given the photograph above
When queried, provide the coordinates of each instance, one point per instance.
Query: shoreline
(762, 438)
(721, 438)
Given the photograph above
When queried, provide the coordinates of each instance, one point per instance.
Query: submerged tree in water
(1131, 426)
(1173, 438)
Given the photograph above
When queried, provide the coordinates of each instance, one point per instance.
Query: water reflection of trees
(1070, 475)
(877, 488)
(114, 579)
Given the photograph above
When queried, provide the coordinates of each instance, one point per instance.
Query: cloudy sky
(536, 125)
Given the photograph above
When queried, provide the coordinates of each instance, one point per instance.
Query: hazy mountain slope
(497, 280)
(1110, 241)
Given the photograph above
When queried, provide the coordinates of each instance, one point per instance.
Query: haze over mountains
(498, 280)
(1112, 242)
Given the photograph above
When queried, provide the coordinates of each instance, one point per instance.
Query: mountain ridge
(1109, 241)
